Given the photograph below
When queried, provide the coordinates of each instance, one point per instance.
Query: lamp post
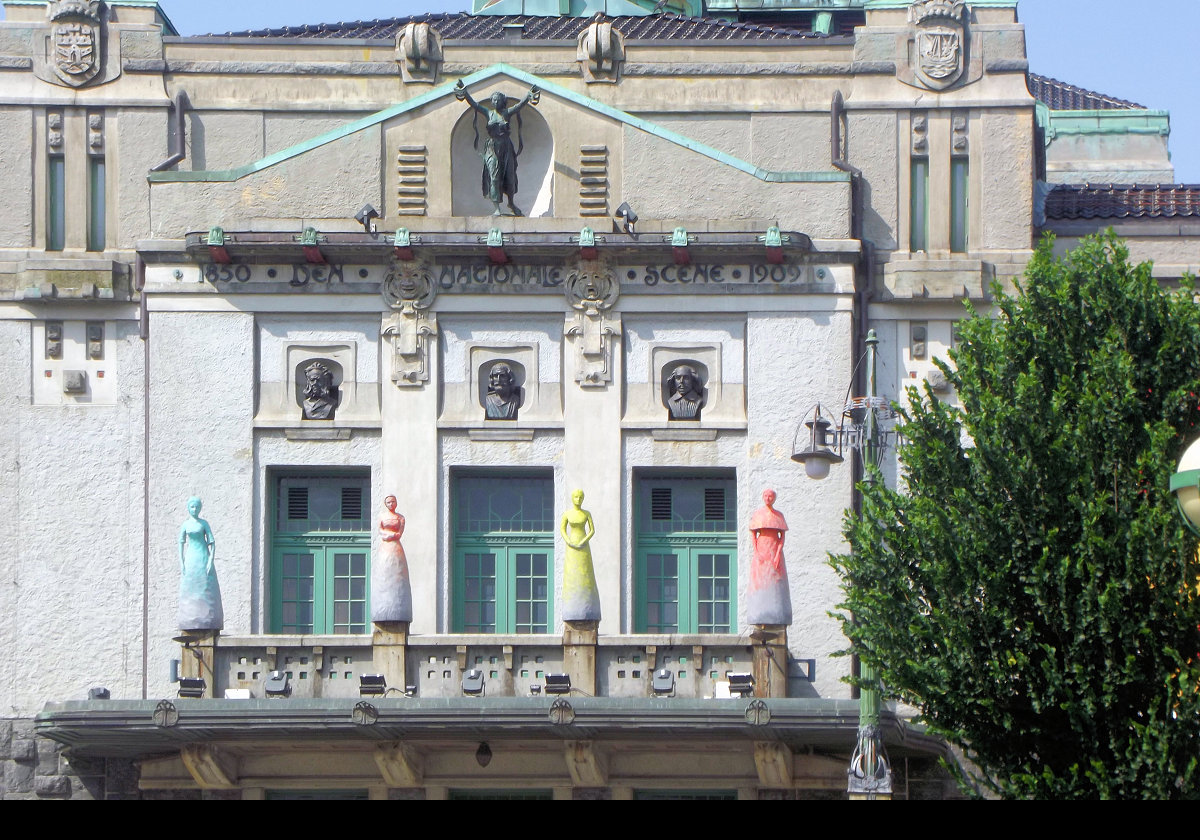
(1185, 484)
(869, 775)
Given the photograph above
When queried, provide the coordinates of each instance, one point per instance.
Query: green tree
(1030, 588)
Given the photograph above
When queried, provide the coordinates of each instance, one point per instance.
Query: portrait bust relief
(318, 391)
(685, 386)
(503, 397)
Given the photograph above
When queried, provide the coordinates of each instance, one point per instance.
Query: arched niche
(535, 163)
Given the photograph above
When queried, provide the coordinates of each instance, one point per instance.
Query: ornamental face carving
(76, 38)
(938, 43)
(592, 286)
(409, 285)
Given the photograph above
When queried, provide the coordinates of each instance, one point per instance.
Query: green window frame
(97, 212)
(960, 170)
(503, 569)
(918, 215)
(686, 555)
(321, 554)
(56, 203)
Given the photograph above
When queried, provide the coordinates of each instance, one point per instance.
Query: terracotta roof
(1060, 96)
(461, 25)
(1123, 201)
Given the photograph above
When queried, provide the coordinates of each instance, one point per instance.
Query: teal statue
(580, 595)
(199, 594)
(499, 155)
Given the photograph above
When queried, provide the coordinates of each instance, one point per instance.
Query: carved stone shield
(77, 46)
(939, 55)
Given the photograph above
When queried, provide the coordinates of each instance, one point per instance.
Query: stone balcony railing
(512, 666)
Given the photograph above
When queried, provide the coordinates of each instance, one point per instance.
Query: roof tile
(1060, 96)
(464, 26)
(1123, 201)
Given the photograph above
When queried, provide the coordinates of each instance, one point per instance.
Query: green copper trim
(447, 89)
(216, 237)
(904, 4)
(168, 27)
(308, 238)
(1140, 121)
(1185, 478)
(587, 238)
(401, 239)
(495, 238)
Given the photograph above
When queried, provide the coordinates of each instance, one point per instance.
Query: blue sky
(1145, 51)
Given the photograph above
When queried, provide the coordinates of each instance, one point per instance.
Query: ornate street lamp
(858, 430)
(1185, 484)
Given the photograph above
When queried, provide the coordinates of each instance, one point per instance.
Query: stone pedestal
(389, 640)
(769, 660)
(199, 656)
(579, 654)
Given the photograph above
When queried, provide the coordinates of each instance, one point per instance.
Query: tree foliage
(1031, 588)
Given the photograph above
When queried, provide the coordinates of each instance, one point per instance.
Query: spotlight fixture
(483, 755)
(192, 687)
(371, 685)
(472, 683)
(535, 689)
(741, 685)
(98, 692)
(626, 217)
(277, 684)
(663, 683)
(366, 217)
(558, 683)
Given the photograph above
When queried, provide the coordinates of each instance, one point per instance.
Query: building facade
(456, 268)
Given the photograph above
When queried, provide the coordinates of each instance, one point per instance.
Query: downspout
(865, 273)
(863, 277)
(144, 335)
(179, 137)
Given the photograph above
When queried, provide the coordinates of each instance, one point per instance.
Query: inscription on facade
(462, 278)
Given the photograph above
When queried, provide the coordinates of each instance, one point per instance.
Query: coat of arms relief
(938, 44)
(76, 40)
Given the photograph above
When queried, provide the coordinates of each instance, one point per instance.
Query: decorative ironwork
(364, 714)
(562, 713)
(757, 713)
(165, 714)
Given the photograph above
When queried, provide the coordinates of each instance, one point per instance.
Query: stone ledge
(937, 279)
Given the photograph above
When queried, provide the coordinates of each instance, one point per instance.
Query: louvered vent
(714, 502)
(352, 503)
(297, 502)
(660, 503)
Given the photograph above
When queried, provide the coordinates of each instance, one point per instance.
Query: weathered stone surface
(52, 786)
(18, 778)
(24, 750)
(406, 794)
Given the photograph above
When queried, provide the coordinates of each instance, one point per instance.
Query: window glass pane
(96, 204)
(56, 204)
(919, 204)
(959, 171)
(487, 510)
(320, 553)
(685, 586)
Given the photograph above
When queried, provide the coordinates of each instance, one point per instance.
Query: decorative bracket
(600, 52)
(419, 53)
(592, 289)
(410, 330)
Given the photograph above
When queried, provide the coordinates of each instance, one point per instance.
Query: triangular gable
(447, 90)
